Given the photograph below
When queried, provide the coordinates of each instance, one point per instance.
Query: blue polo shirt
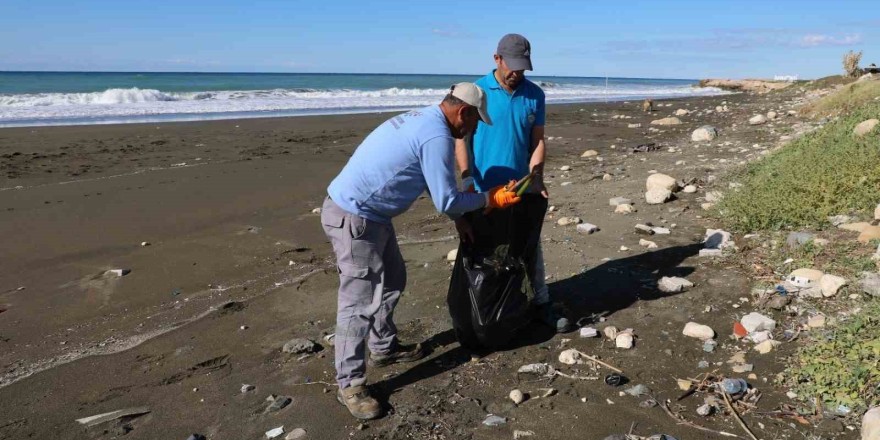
(502, 150)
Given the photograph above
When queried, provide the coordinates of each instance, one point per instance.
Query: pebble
(296, 434)
(272, 433)
(452, 255)
(118, 272)
(767, 346)
(624, 340)
(517, 396)
(674, 284)
(300, 346)
(493, 420)
(619, 201)
(690, 189)
(647, 243)
(279, 403)
(817, 321)
(624, 209)
(247, 388)
(588, 332)
(699, 331)
(587, 228)
(565, 221)
(565, 168)
(754, 322)
(710, 253)
(316, 211)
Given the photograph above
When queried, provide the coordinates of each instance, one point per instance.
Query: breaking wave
(135, 105)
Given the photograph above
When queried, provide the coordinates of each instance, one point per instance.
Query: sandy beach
(214, 220)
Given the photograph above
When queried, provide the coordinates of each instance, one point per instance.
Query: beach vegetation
(844, 100)
(824, 173)
(851, 63)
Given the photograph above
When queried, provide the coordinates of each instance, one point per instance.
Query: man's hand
(501, 197)
(539, 186)
(465, 230)
(467, 184)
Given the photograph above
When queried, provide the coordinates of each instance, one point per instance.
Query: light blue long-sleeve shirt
(400, 159)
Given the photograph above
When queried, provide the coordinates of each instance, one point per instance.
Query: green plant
(842, 365)
(824, 173)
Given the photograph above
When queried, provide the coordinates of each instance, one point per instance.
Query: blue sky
(662, 39)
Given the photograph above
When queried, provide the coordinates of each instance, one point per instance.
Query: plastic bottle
(734, 386)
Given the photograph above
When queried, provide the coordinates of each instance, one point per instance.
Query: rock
(517, 397)
(865, 127)
(742, 368)
(617, 201)
(118, 272)
(570, 357)
(316, 211)
(757, 120)
(296, 434)
(607, 177)
(690, 189)
(717, 239)
(672, 120)
(707, 206)
(610, 332)
(699, 331)
(278, 404)
(709, 346)
(855, 227)
(869, 233)
(831, 284)
(493, 420)
(661, 231)
(755, 322)
(798, 239)
(705, 409)
(816, 321)
(877, 212)
(714, 196)
(705, 133)
(587, 228)
(624, 340)
(648, 244)
(644, 229)
(272, 433)
(771, 115)
(590, 153)
(710, 253)
(636, 125)
(871, 424)
(247, 388)
(661, 181)
(588, 332)
(624, 209)
(657, 196)
(804, 278)
(681, 112)
(517, 434)
(767, 346)
(870, 283)
(300, 346)
(684, 384)
(565, 168)
(674, 284)
(565, 221)
(760, 336)
(452, 255)
(778, 302)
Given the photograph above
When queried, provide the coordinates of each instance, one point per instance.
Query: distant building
(789, 78)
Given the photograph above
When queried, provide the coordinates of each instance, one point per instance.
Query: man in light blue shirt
(513, 146)
(389, 170)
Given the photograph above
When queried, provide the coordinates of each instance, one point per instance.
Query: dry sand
(237, 265)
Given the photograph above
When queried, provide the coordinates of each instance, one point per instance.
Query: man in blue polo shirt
(512, 146)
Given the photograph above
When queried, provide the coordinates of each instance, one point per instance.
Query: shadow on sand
(601, 291)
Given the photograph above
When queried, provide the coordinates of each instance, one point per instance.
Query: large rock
(831, 284)
(657, 196)
(673, 284)
(699, 331)
(870, 283)
(865, 127)
(805, 278)
(771, 115)
(704, 134)
(717, 239)
(681, 112)
(869, 233)
(672, 120)
(871, 424)
(797, 239)
(756, 322)
(757, 120)
(300, 346)
(661, 181)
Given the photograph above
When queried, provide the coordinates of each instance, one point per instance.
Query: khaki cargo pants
(372, 275)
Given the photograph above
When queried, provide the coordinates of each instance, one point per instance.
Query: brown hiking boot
(400, 354)
(359, 402)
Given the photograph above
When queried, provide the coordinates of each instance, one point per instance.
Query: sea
(83, 98)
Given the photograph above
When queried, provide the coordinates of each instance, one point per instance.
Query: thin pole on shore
(606, 88)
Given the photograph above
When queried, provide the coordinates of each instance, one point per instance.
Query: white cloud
(814, 40)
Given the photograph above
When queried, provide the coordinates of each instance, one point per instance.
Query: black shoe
(546, 314)
(400, 354)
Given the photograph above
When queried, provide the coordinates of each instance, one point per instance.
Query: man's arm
(463, 159)
(439, 171)
(539, 153)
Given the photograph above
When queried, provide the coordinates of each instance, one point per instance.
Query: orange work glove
(501, 197)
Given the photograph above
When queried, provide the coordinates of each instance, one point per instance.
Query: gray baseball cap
(472, 95)
(516, 52)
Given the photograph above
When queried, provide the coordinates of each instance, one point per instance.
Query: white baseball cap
(472, 94)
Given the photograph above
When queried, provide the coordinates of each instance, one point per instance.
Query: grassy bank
(827, 172)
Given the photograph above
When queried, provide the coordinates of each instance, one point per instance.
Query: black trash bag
(490, 290)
